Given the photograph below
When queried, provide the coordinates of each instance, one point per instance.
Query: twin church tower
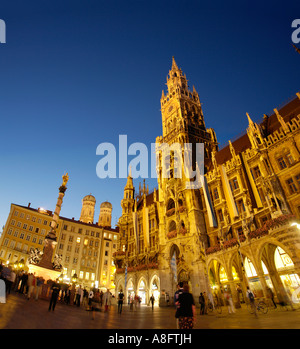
(88, 211)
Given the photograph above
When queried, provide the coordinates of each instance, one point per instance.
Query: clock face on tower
(170, 108)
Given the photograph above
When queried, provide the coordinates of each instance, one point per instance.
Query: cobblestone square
(20, 313)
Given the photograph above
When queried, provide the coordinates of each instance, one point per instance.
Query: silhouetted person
(55, 292)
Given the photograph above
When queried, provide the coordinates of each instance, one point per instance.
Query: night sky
(74, 74)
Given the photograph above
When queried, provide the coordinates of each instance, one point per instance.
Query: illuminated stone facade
(254, 187)
(86, 248)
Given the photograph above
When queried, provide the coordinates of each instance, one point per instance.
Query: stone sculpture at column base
(45, 267)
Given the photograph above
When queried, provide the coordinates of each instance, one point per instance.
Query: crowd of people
(186, 310)
(21, 282)
(94, 300)
(30, 285)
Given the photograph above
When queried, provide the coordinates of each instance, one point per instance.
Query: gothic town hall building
(238, 229)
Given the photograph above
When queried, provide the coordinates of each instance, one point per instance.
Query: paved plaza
(20, 313)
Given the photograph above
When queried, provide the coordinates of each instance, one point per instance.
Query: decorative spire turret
(254, 133)
(282, 122)
(128, 200)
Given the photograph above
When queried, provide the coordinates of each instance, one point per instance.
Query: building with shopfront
(237, 230)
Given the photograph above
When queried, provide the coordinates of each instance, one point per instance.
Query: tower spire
(174, 65)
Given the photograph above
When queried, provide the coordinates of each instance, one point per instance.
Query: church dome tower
(105, 214)
(88, 209)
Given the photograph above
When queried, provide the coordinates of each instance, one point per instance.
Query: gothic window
(282, 259)
(171, 204)
(172, 226)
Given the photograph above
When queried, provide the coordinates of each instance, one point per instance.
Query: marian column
(50, 239)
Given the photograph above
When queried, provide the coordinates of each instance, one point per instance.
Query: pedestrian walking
(18, 280)
(79, 292)
(68, 296)
(186, 310)
(5, 275)
(176, 297)
(11, 277)
(85, 297)
(54, 296)
(24, 279)
(131, 303)
(95, 303)
(39, 284)
(101, 298)
(81, 295)
(120, 301)
(30, 284)
(106, 300)
(167, 299)
(91, 296)
(152, 300)
(228, 301)
(251, 298)
(202, 303)
(136, 301)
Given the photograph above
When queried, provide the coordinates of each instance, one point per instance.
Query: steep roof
(269, 125)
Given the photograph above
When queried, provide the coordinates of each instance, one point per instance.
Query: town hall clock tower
(182, 228)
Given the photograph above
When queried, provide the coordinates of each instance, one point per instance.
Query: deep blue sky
(74, 74)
